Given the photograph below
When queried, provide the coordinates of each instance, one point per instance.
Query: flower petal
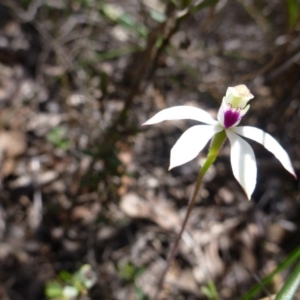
(242, 162)
(191, 143)
(182, 112)
(269, 143)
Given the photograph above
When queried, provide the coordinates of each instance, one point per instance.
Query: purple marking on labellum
(231, 117)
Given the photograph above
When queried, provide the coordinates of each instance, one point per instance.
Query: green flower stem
(291, 285)
(214, 150)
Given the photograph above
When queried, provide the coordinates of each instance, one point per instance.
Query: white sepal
(242, 162)
(191, 143)
(182, 112)
(269, 143)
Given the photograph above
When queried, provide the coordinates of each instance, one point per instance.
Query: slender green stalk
(214, 150)
(290, 287)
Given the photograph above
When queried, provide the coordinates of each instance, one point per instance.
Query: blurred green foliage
(291, 258)
(69, 286)
(210, 291)
(129, 273)
(293, 12)
(287, 292)
(57, 136)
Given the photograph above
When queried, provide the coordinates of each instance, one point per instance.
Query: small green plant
(70, 286)
(210, 291)
(57, 136)
(129, 273)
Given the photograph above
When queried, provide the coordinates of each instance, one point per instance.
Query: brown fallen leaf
(157, 211)
(12, 145)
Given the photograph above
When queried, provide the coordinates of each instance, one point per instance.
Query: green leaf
(65, 276)
(186, 3)
(290, 287)
(295, 255)
(210, 291)
(118, 52)
(56, 136)
(117, 14)
(203, 4)
(53, 289)
(157, 16)
(140, 295)
(293, 11)
(175, 2)
(129, 272)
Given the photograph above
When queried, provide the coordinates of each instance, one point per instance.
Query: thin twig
(35, 213)
(148, 57)
(172, 253)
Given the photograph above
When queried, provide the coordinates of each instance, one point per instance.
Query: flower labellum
(234, 106)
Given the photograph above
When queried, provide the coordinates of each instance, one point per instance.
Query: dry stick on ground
(139, 76)
(112, 135)
(172, 253)
(147, 60)
(278, 57)
(25, 16)
(177, 20)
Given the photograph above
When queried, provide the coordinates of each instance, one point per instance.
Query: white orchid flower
(233, 108)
